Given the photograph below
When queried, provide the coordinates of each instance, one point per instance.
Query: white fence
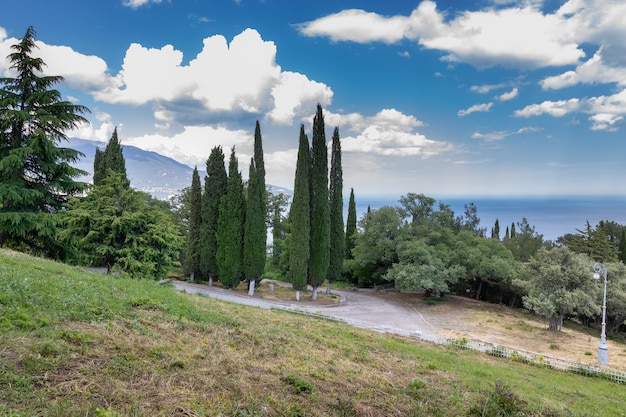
(510, 353)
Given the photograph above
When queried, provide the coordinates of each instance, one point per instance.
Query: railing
(507, 352)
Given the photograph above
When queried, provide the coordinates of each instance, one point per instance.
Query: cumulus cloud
(510, 95)
(482, 38)
(294, 93)
(135, 4)
(595, 70)
(387, 133)
(485, 88)
(485, 107)
(553, 108)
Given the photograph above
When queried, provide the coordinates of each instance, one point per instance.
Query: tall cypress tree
(36, 174)
(351, 225)
(300, 218)
(99, 167)
(255, 231)
(111, 159)
(215, 185)
(230, 227)
(320, 208)
(192, 254)
(495, 232)
(337, 235)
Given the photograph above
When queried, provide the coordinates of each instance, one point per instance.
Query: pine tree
(351, 225)
(337, 235)
(255, 231)
(300, 218)
(215, 185)
(112, 158)
(230, 227)
(320, 208)
(495, 232)
(192, 254)
(36, 175)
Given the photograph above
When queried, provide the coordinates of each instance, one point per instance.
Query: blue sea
(552, 217)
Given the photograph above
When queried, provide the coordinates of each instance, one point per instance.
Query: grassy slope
(77, 343)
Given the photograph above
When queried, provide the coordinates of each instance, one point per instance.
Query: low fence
(507, 352)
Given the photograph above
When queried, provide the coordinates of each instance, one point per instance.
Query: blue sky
(504, 97)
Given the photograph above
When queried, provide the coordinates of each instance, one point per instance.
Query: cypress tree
(337, 235)
(255, 231)
(99, 168)
(513, 230)
(320, 208)
(192, 254)
(230, 227)
(495, 232)
(111, 159)
(300, 218)
(215, 185)
(350, 225)
(36, 174)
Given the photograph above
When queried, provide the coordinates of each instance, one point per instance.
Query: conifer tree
(192, 254)
(255, 230)
(495, 232)
(320, 208)
(300, 218)
(230, 226)
(350, 225)
(513, 230)
(215, 185)
(36, 174)
(112, 158)
(337, 235)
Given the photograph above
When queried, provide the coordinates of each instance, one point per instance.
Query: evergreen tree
(215, 185)
(230, 228)
(255, 231)
(350, 225)
(495, 232)
(621, 254)
(337, 235)
(277, 204)
(36, 175)
(192, 254)
(99, 168)
(512, 230)
(320, 208)
(111, 159)
(300, 218)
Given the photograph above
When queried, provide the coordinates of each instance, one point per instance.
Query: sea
(551, 217)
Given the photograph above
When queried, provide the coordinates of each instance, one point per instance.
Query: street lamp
(603, 349)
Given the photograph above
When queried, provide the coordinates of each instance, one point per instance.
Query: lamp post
(603, 349)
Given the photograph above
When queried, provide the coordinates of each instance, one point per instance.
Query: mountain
(147, 171)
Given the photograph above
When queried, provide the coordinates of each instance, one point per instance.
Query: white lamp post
(603, 349)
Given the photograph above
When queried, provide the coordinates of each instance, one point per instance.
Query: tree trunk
(329, 288)
(210, 280)
(480, 288)
(297, 295)
(192, 276)
(554, 323)
(314, 296)
(251, 287)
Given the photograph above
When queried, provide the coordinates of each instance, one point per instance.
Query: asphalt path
(361, 308)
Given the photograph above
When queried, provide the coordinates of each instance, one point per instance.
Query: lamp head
(596, 275)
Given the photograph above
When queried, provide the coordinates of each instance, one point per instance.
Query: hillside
(79, 343)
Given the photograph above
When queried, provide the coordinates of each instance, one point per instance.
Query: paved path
(362, 308)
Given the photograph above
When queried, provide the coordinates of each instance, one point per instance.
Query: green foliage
(525, 242)
(560, 286)
(299, 217)
(351, 229)
(112, 158)
(277, 205)
(320, 209)
(601, 243)
(230, 227)
(255, 230)
(337, 236)
(119, 226)
(215, 185)
(37, 177)
(192, 253)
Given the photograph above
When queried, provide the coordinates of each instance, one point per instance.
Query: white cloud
(294, 94)
(485, 88)
(485, 107)
(592, 71)
(135, 4)
(553, 108)
(605, 121)
(481, 38)
(508, 95)
(502, 134)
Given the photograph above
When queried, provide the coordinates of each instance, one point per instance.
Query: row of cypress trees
(227, 230)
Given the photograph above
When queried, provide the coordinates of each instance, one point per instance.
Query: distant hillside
(148, 171)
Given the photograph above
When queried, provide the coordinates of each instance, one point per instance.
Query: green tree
(230, 228)
(337, 235)
(495, 232)
(320, 206)
(277, 206)
(255, 230)
(560, 286)
(192, 253)
(351, 229)
(215, 185)
(36, 175)
(525, 242)
(598, 243)
(117, 226)
(112, 158)
(300, 218)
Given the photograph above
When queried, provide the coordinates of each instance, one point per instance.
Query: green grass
(75, 343)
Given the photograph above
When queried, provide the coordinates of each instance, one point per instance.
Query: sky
(445, 98)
